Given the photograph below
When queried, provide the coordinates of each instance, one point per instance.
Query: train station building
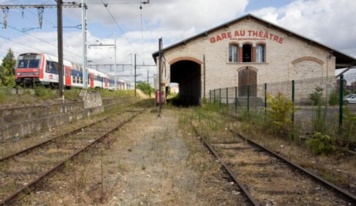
(245, 51)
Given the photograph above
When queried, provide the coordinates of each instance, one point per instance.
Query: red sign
(247, 35)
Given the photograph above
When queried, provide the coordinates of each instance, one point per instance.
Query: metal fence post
(235, 100)
(227, 97)
(248, 99)
(293, 95)
(220, 98)
(214, 96)
(265, 101)
(341, 101)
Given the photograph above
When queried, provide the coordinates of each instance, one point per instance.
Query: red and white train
(42, 69)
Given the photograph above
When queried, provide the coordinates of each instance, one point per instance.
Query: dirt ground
(151, 161)
(159, 161)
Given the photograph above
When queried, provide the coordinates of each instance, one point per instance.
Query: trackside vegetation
(7, 73)
(145, 88)
(277, 119)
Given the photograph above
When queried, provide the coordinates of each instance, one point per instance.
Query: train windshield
(29, 60)
(27, 63)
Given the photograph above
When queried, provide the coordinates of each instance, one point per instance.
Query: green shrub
(316, 96)
(2, 95)
(145, 88)
(334, 99)
(72, 94)
(321, 144)
(349, 125)
(43, 93)
(279, 114)
(319, 119)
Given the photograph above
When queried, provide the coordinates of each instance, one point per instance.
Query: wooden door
(247, 77)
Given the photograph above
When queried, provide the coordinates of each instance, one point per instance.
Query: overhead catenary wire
(105, 3)
(120, 2)
(117, 24)
(40, 40)
(20, 43)
(141, 29)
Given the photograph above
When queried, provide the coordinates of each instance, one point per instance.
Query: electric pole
(135, 74)
(160, 76)
(60, 48)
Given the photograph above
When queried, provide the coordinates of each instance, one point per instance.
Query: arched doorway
(187, 74)
(247, 82)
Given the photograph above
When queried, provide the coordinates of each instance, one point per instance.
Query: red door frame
(91, 80)
(68, 80)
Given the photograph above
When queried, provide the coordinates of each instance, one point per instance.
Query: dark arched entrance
(188, 75)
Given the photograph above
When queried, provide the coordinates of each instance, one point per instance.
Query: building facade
(246, 51)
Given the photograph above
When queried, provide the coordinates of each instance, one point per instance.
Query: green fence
(314, 99)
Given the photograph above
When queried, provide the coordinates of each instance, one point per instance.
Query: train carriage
(98, 79)
(42, 69)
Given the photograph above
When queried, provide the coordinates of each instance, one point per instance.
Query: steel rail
(227, 169)
(52, 139)
(341, 191)
(27, 188)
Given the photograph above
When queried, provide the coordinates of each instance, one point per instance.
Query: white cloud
(329, 22)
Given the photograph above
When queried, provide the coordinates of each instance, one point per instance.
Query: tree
(145, 88)
(7, 72)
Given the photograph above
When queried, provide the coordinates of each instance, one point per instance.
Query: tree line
(7, 70)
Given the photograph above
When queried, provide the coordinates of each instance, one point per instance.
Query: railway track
(21, 171)
(265, 178)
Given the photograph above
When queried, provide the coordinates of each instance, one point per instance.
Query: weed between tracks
(156, 161)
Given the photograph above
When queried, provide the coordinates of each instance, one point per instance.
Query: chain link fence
(317, 99)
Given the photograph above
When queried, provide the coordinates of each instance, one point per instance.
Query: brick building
(245, 51)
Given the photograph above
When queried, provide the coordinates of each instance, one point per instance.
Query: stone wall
(290, 57)
(21, 121)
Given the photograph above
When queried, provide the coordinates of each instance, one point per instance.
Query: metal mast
(60, 49)
(84, 46)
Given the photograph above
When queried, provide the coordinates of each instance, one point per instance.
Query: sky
(137, 25)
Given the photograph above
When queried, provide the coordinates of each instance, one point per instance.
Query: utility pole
(160, 76)
(135, 73)
(60, 48)
(148, 74)
(115, 67)
(84, 46)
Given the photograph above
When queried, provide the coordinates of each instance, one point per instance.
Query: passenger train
(42, 69)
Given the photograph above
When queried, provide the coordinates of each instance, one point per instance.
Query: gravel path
(150, 161)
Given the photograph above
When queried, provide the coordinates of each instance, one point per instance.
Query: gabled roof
(342, 60)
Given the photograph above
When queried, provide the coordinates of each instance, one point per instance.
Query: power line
(117, 24)
(127, 2)
(41, 40)
(22, 44)
(141, 29)
(36, 6)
